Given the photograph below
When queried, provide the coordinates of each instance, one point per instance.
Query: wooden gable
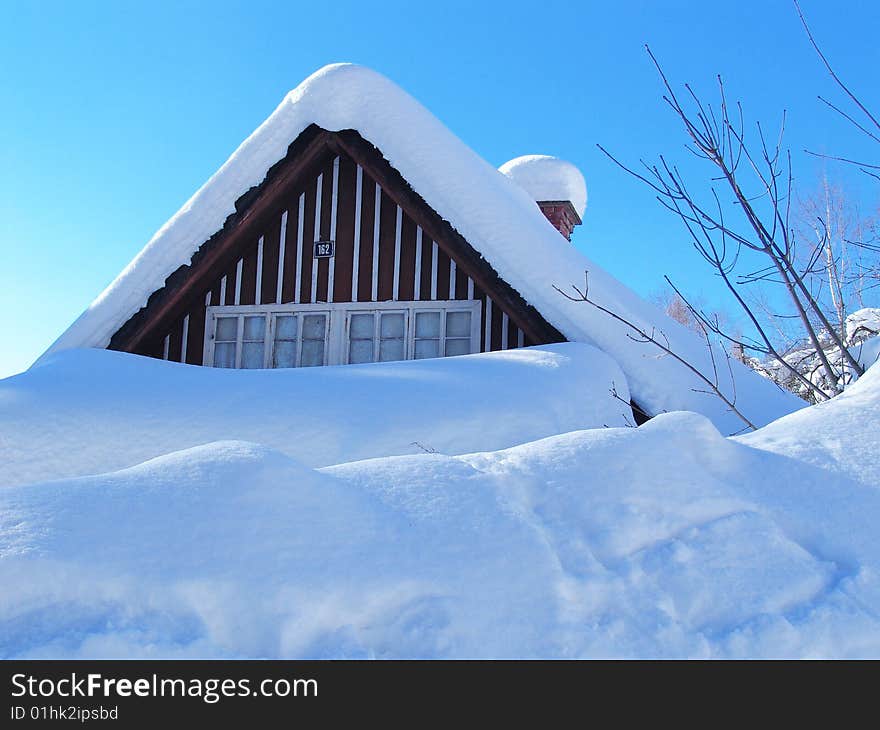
(390, 245)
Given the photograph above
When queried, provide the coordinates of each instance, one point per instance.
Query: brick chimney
(561, 214)
(557, 186)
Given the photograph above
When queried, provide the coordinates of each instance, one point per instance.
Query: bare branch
(583, 296)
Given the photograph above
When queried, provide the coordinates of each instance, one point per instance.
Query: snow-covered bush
(861, 337)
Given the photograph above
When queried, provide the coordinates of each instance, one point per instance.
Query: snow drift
(91, 411)
(841, 435)
(492, 212)
(667, 540)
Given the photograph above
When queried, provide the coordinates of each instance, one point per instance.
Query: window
(443, 333)
(269, 339)
(376, 336)
(306, 335)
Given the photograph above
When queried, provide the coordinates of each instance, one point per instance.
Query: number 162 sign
(324, 249)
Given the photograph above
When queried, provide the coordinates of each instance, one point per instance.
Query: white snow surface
(867, 352)
(664, 541)
(840, 435)
(91, 411)
(491, 211)
(548, 178)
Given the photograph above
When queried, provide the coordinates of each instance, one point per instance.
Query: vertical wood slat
(451, 279)
(356, 255)
(316, 235)
(388, 217)
(222, 300)
(487, 326)
(282, 242)
(470, 289)
(434, 255)
(365, 260)
(505, 324)
(238, 268)
(297, 296)
(258, 283)
(377, 209)
(398, 225)
(417, 277)
(334, 209)
(175, 343)
(183, 338)
(443, 271)
(271, 252)
(165, 347)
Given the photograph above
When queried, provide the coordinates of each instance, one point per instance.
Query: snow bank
(548, 178)
(232, 549)
(91, 411)
(491, 211)
(667, 540)
(842, 435)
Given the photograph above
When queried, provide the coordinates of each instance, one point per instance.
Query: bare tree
(743, 229)
(682, 312)
(862, 118)
(661, 341)
(869, 124)
(838, 263)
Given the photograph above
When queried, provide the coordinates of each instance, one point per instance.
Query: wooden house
(353, 227)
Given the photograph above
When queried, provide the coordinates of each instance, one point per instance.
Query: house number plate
(325, 249)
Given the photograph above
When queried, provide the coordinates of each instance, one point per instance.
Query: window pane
(390, 350)
(361, 327)
(312, 352)
(427, 324)
(227, 329)
(360, 351)
(285, 327)
(458, 324)
(313, 326)
(427, 348)
(391, 326)
(458, 347)
(224, 355)
(254, 328)
(285, 354)
(252, 355)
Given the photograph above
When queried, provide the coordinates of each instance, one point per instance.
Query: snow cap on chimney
(557, 187)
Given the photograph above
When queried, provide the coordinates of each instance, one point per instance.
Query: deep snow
(91, 411)
(491, 211)
(666, 540)
(841, 435)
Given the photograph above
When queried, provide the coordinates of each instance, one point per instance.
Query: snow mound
(491, 212)
(617, 542)
(842, 434)
(232, 549)
(548, 178)
(863, 323)
(92, 411)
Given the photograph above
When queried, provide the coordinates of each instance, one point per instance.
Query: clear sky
(114, 113)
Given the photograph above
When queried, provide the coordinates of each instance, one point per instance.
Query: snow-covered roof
(491, 211)
(548, 178)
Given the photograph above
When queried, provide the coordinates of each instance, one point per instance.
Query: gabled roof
(304, 156)
(495, 216)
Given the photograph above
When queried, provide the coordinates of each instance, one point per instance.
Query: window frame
(337, 326)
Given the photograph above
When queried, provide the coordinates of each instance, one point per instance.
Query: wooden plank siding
(405, 271)
(377, 258)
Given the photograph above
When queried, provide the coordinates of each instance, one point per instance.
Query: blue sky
(114, 113)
